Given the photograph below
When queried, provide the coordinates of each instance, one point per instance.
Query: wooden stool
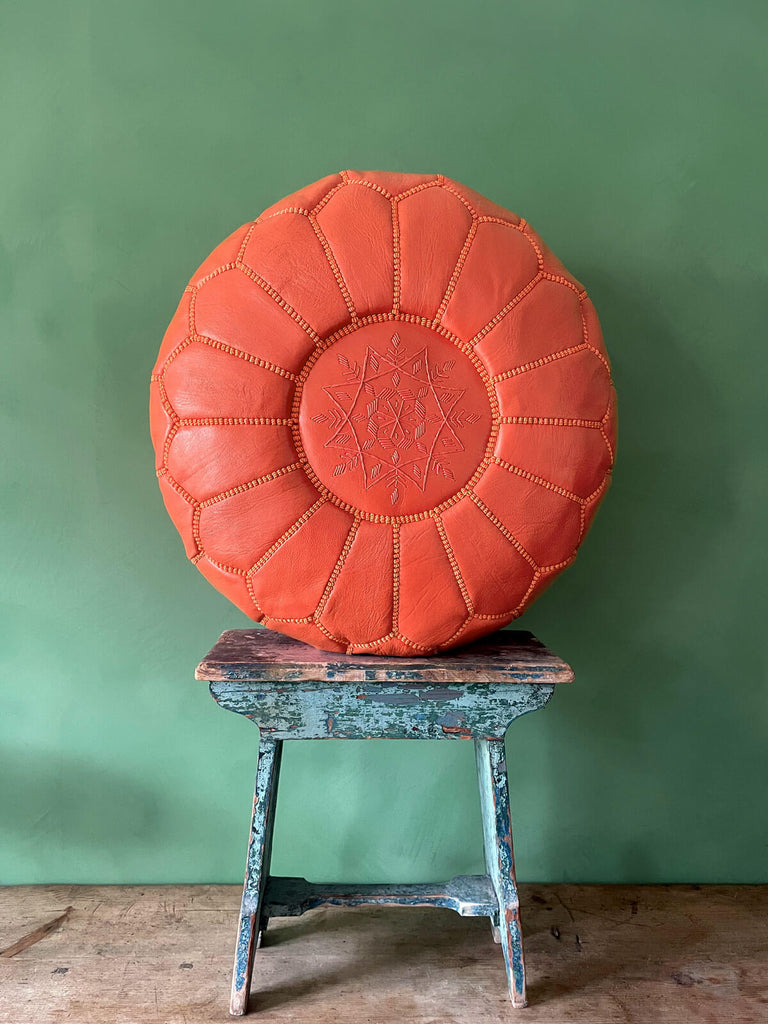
(295, 692)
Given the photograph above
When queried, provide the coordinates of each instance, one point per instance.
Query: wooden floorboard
(597, 954)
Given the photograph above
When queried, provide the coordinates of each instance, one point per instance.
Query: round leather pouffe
(383, 415)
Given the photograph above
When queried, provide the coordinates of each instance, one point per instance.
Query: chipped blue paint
(356, 710)
(499, 858)
(291, 692)
(256, 870)
(468, 895)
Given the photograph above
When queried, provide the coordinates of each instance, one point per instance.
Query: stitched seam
(331, 636)
(173, 354)
(277, 297)
(536, 363)
(604, 432)
(222, 565)
(241, 488)
(434, 183)
(454, 563)
(168, 442)
(355, 648)
(329, 195)
(369, 184)
(244, 243)
(454, 636)
(541, 481)
(286, 536)
(257, 606)
(279, 213)
(196, 531)
(395, 258)
(165, 474)
(331, 260)
(546, 570)
(509, 306)
(504, 531)
(595, 497)
(395, 576)
(209, 277)
(457, 270)
(235, 421)
(336, 570)
(587, 342)
(245, 356)
(492, 436)
(412, 643)
(559, 279)
(551, 421)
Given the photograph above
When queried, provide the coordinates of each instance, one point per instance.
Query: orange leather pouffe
(383, 415)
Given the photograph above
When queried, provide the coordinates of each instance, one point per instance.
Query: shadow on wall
(632, 614)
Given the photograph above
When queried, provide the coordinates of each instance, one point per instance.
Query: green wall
(134, 137)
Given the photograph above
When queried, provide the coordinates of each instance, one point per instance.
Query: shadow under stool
(295, 692)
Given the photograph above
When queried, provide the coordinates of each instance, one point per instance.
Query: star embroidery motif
(395, 419)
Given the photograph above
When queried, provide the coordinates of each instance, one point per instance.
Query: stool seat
(292, 691)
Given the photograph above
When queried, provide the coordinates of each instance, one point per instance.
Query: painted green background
(134, 137)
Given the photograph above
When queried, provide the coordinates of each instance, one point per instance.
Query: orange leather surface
(383, 415)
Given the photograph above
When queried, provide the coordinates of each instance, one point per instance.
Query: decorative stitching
(589, 345)
(307, 466)
(176, 486)
(278, 213)
(503, 312)
(235, 421)
(244, 243)
(536, 363)
(173, 355)
(596, 496)
(277, 297)
(395, 258)
(241, 488)
(367, 434)
(331, 260)
(454, 563)
(286, 536)
(328, 196)
(456, 271)
(209, 277)
(503, 530)
(369, 184)
(292, 422)
(551, 421)
(541, 481)
(559, 279)
(336, 570)
(245, 356)
(223, 565)
(603, 431)
(395, 575)
(434, 183)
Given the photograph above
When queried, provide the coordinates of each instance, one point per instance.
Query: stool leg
(256, 871)
(499, 858)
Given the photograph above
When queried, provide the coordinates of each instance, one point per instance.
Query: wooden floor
(162, 955)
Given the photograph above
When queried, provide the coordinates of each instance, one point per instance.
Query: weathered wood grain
(596, 955)
(510, 656)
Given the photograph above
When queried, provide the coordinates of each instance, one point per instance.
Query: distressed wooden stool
(295, 692)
